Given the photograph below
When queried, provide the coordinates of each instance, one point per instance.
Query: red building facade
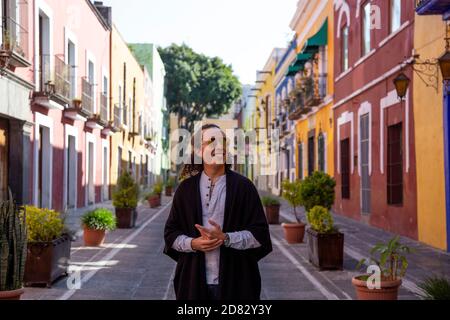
(374, 129)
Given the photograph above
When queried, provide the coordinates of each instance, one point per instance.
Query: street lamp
(401, 84)
(444, 64)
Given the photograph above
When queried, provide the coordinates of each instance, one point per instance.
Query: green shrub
(126, 194)
(318, 190)
(170, 183)
(270, 201)
(43, 225)
(435, 288)
(292, 194)
(321, 220)
(99, 219)
(158, 188)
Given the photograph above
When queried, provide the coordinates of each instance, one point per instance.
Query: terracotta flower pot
(168, 191)
(294, 232)
(388, 291)
(273, 214)
(154, 201)
(11, 295)
(93, 238)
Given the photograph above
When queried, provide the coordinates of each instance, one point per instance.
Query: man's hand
(214, 233)
(206, 245)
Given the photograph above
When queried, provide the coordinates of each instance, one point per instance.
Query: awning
(302, 58)
(293, 70)
(318, 40)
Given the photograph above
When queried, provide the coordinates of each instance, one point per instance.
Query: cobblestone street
(131, 265)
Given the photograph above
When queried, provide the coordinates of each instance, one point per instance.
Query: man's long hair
(193, 169)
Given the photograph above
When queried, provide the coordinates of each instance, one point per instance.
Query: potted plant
(95, 224)
(318, 190)
(272, 206)
(154, 199)
(435, 288)
(294, 232)
(76, 102)
(49, 247)
(325, 242)
(13, 250)
(170, 184)
(125, 200)
(390, 259)
(158, 189)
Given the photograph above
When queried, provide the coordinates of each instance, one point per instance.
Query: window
(300, 161)
(345, 168)
(321, 151)
(365, 163)
(366, 41)
(119, 162)
(344, 49)
(395, 165)
(396, 15)
(130, 162)
(311, 157)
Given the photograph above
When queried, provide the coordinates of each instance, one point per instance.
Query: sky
(241, 32)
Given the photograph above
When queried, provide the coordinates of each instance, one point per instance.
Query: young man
(216, 231)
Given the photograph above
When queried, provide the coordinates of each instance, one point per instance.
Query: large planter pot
(169, 191)
(47, 261)
(126, 218)
(93, 238)
(11, 295)
(273, 214)
(388, 291)
(294, 232)
(154, 201)
(326, 251)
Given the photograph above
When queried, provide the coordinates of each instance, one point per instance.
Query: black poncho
(239, 275)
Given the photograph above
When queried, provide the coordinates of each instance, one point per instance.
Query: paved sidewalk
(132, 266)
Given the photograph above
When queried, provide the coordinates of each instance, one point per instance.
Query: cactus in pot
(13, 249)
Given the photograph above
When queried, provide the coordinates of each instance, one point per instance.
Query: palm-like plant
(391, 259)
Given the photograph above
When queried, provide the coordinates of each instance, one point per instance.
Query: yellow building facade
(313, 24)
(429, 136)
(128, 150)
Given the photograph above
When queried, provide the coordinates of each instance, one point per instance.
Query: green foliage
(318, 190)
(43, 225)
(198, 86)
(126, 194)
(292, 194)
(170, 183)
(99, 219)
(391, 258)
(321, 220)
(13, 245)
(157, 188)
(435, 288)
(270, 201)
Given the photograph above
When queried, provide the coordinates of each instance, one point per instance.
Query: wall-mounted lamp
(401, 83)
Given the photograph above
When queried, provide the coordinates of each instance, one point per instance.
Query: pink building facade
(70, 138)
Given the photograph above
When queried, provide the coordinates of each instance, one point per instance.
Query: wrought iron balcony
(54, 83)
(87, 96)
(433, 7)
(117, 113)
(104, 107)
(14, 46)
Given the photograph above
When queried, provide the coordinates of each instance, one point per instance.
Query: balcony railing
(63, 80)
(117, 112)
(87, 95)
(14, 44)
(104, 107)
(125, 114)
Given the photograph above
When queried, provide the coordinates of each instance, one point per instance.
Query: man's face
(213, 147)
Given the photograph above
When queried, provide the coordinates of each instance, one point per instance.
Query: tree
(198, 86)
